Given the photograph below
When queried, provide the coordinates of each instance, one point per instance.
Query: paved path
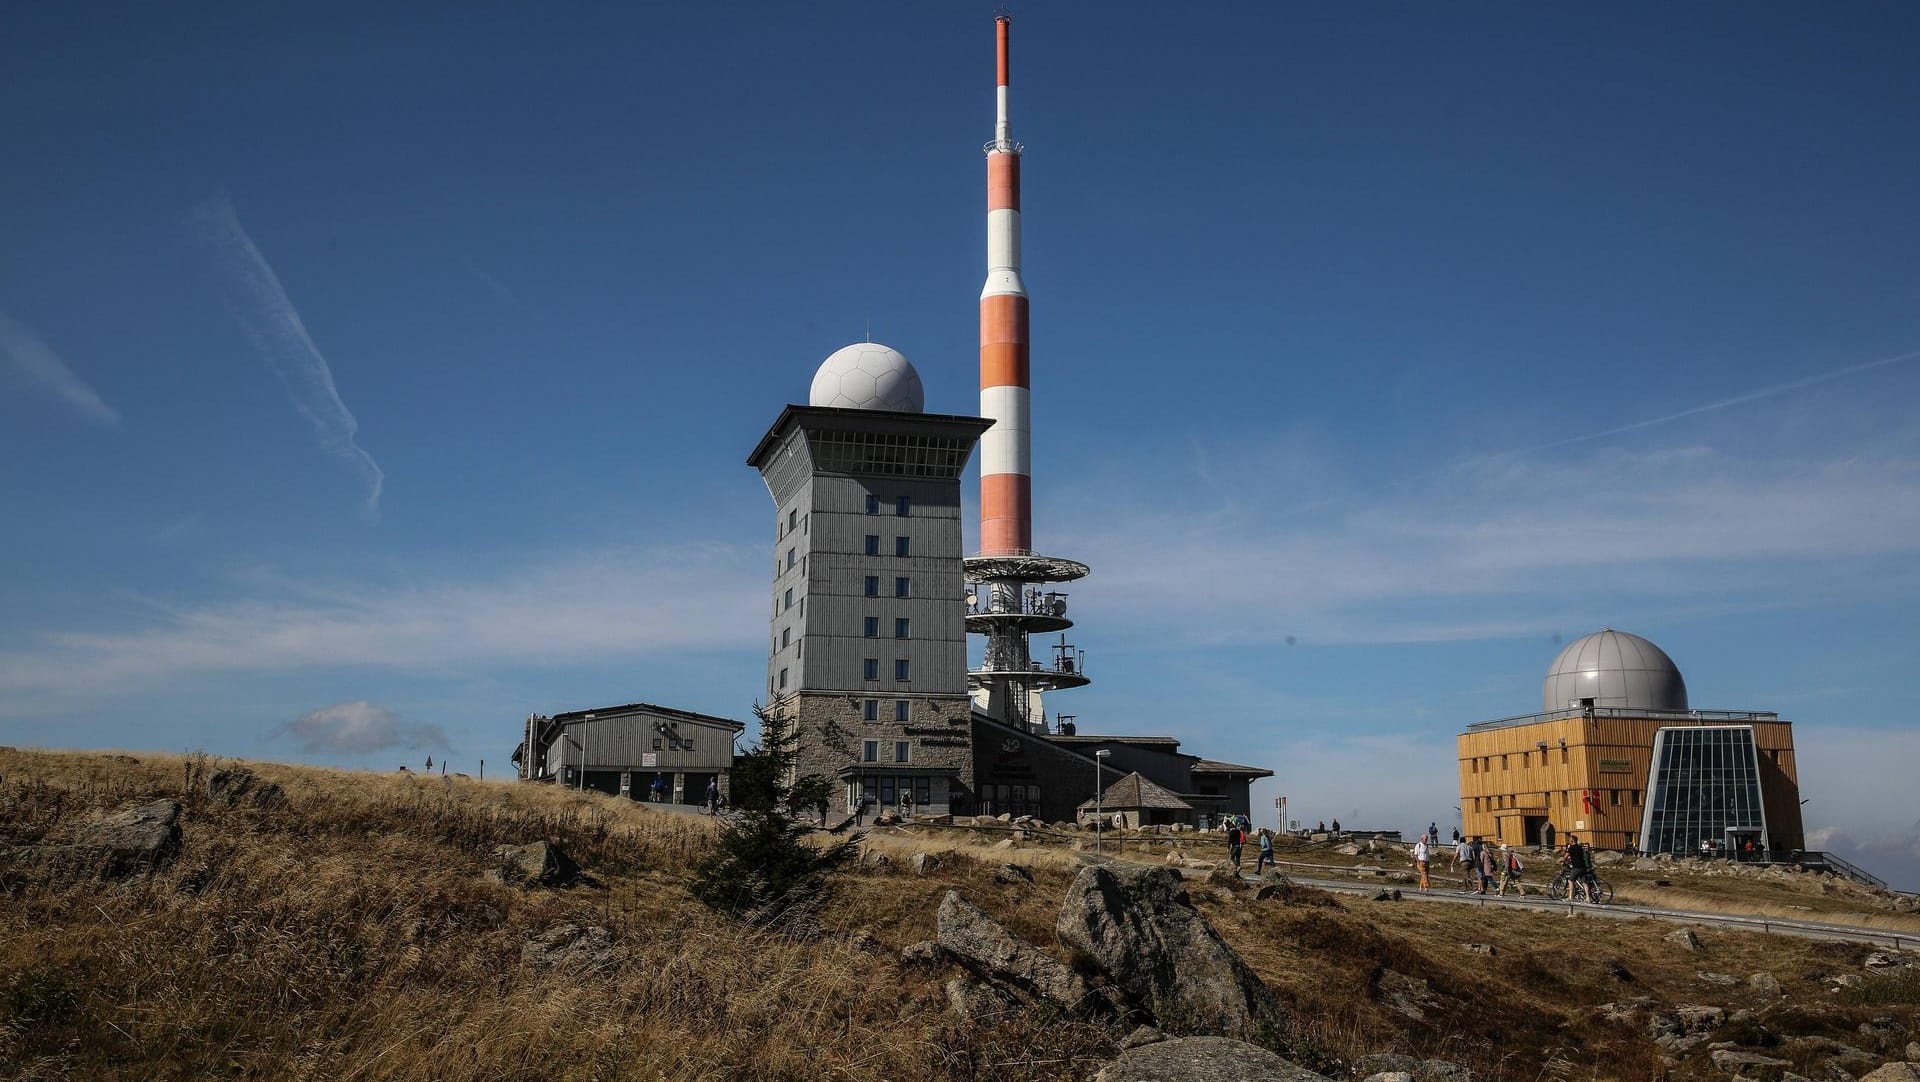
(1770, 925)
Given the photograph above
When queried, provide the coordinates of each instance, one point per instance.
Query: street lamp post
(1098, 812)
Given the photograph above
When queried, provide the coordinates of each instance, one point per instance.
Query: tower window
(873, 586)
(786, 636)
(873, 544)
(873, 627)
(793, 518)
(870, 751)
(873, 504)
(902, 586)
(901, 547)
(901, 627)
(902, 710)
(791, 557)
(902, 669)
(902, 505)
(789, 597)
(903, 751)
(783, 678)
(870, 710)
(870, 668)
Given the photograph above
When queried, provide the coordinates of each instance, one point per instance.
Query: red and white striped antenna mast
(1011, 606)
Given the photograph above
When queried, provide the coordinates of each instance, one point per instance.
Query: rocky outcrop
(1684, 939)
(924, 953)
(570, 946)
(542, 863)
(1894, 1072)
(924, 863)
(1203, 1059)
(973, 1001)
(1136, 924)
(239, 787)
(1013, 875)
(1738, 1062)
(978, 942)
(138, 838)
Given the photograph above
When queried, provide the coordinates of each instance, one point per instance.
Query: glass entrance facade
(1703, 792)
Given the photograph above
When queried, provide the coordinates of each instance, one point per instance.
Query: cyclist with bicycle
(1577, 865)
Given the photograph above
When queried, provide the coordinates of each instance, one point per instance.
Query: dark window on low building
(902, 669)
(871, 710)
(902, 547)
(873, 586)
(873, 544)
(871, 668)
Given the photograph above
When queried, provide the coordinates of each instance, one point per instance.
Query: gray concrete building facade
(867, 644)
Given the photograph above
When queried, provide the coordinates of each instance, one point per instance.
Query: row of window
(869, 670)
(902, 751)
(1484, 764)
(902, 709)
(1615, 798)
(795, 521)
(901, 505)
(902, 627)
(902, 587)
(882, 792)
(902, 546)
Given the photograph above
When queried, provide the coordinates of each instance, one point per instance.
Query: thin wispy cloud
(565, 609)
(494, 285)
(259, 303)
(1726, 403)
(360, 728)
(1499, 548)
(31, 357)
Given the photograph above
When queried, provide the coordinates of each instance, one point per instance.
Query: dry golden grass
(354, 935)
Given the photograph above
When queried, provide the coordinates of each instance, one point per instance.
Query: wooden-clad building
(1586, 764)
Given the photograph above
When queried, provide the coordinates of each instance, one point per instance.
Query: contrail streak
(260, 305)
(37, 361)
(1736, 400)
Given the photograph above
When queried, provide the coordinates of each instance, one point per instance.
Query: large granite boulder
(1203, 1059)
(979, 943)
(140, 838)
(1136, 924)
(542, 863)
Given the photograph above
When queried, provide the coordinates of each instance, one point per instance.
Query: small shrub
(40, 994)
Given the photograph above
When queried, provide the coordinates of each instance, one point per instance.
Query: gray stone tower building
(867, 649)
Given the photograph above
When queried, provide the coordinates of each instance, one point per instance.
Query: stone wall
(832, 733)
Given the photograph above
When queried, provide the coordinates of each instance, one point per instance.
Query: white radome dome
(868, 376)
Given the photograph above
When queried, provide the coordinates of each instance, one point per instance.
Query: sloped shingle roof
(1134, 791)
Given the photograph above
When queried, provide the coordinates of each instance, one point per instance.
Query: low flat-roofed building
(1615, 727)
(638, 750)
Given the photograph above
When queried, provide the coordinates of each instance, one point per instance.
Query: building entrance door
(1536, 826)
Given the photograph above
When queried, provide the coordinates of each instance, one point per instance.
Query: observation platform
(1023, 567)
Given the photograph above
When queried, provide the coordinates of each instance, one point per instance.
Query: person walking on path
(659, 788)
(1433, 833)
(1462, 855)
(1420, 855)
(1336, 828)
(1488, 865)
(713, 796)
(1233, 841)
(1510, 869)
(1266, 851)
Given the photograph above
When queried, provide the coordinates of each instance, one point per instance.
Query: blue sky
(393, 369)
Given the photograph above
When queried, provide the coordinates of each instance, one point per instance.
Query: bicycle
(1561, 889)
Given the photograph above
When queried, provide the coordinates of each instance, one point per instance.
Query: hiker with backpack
(1510, 869)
